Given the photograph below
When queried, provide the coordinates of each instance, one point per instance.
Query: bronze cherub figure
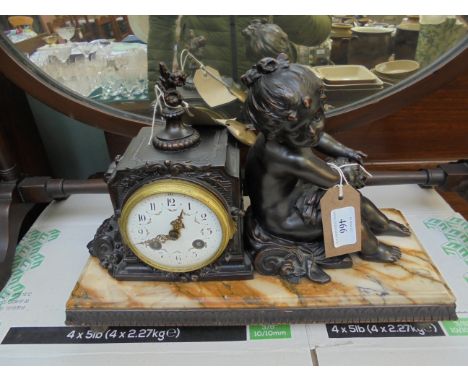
(285, 179)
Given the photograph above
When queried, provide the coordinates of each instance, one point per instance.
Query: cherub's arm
(330, 146)
(311, 169)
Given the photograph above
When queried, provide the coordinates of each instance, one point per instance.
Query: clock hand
(156, 242)
(174, 234)
(177, 225)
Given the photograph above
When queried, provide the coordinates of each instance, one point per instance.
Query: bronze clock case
(213, 165)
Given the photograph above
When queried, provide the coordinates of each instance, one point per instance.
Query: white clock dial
(175, 231)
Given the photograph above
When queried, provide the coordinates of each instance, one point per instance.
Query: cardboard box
(48, 262)
(444, 235)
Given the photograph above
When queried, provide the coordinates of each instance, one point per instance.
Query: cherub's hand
(357, 156)
(355, 176)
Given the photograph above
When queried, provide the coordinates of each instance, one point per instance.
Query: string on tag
(158, 105)
(183, 61)
(357, 164)
(343, 176)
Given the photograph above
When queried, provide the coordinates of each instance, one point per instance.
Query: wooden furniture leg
(12, 213)
(12, 209)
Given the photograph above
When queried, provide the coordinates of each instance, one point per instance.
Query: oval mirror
(102, 70)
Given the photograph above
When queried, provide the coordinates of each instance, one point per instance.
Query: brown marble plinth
(410, 290)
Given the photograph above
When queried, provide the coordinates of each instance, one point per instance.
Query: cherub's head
(285, 102)
(263, 39)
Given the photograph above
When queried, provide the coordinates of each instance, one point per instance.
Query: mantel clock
(177, 202)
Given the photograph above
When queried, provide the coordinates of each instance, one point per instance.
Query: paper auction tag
(341, 221)
(213, 92)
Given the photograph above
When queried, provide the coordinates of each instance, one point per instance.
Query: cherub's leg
(378, 223)
(373, 250)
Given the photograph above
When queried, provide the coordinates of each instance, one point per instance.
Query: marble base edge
(223, 317)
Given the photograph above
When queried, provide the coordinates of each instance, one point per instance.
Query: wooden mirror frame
(33, 81)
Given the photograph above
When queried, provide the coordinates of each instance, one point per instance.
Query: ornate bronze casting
(176, 135)
(285, 180)
(214, 164)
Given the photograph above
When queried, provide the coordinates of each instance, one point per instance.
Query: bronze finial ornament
(285, 180)
(176, 135)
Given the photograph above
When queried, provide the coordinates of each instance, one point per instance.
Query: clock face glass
(173, 231)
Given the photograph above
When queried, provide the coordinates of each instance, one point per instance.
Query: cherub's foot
(395, 229)
(338, 262)
(315, 273)
(385, 254)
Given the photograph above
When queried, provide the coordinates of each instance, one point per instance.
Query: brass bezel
(184, 187)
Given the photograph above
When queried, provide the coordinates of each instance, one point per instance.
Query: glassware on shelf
(109, 75)
(87, 48)
(66, 33)
(50, 39)
(103, 47)
(62, 53)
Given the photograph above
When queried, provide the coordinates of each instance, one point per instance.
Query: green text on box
(456, 328)
(269, 332)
